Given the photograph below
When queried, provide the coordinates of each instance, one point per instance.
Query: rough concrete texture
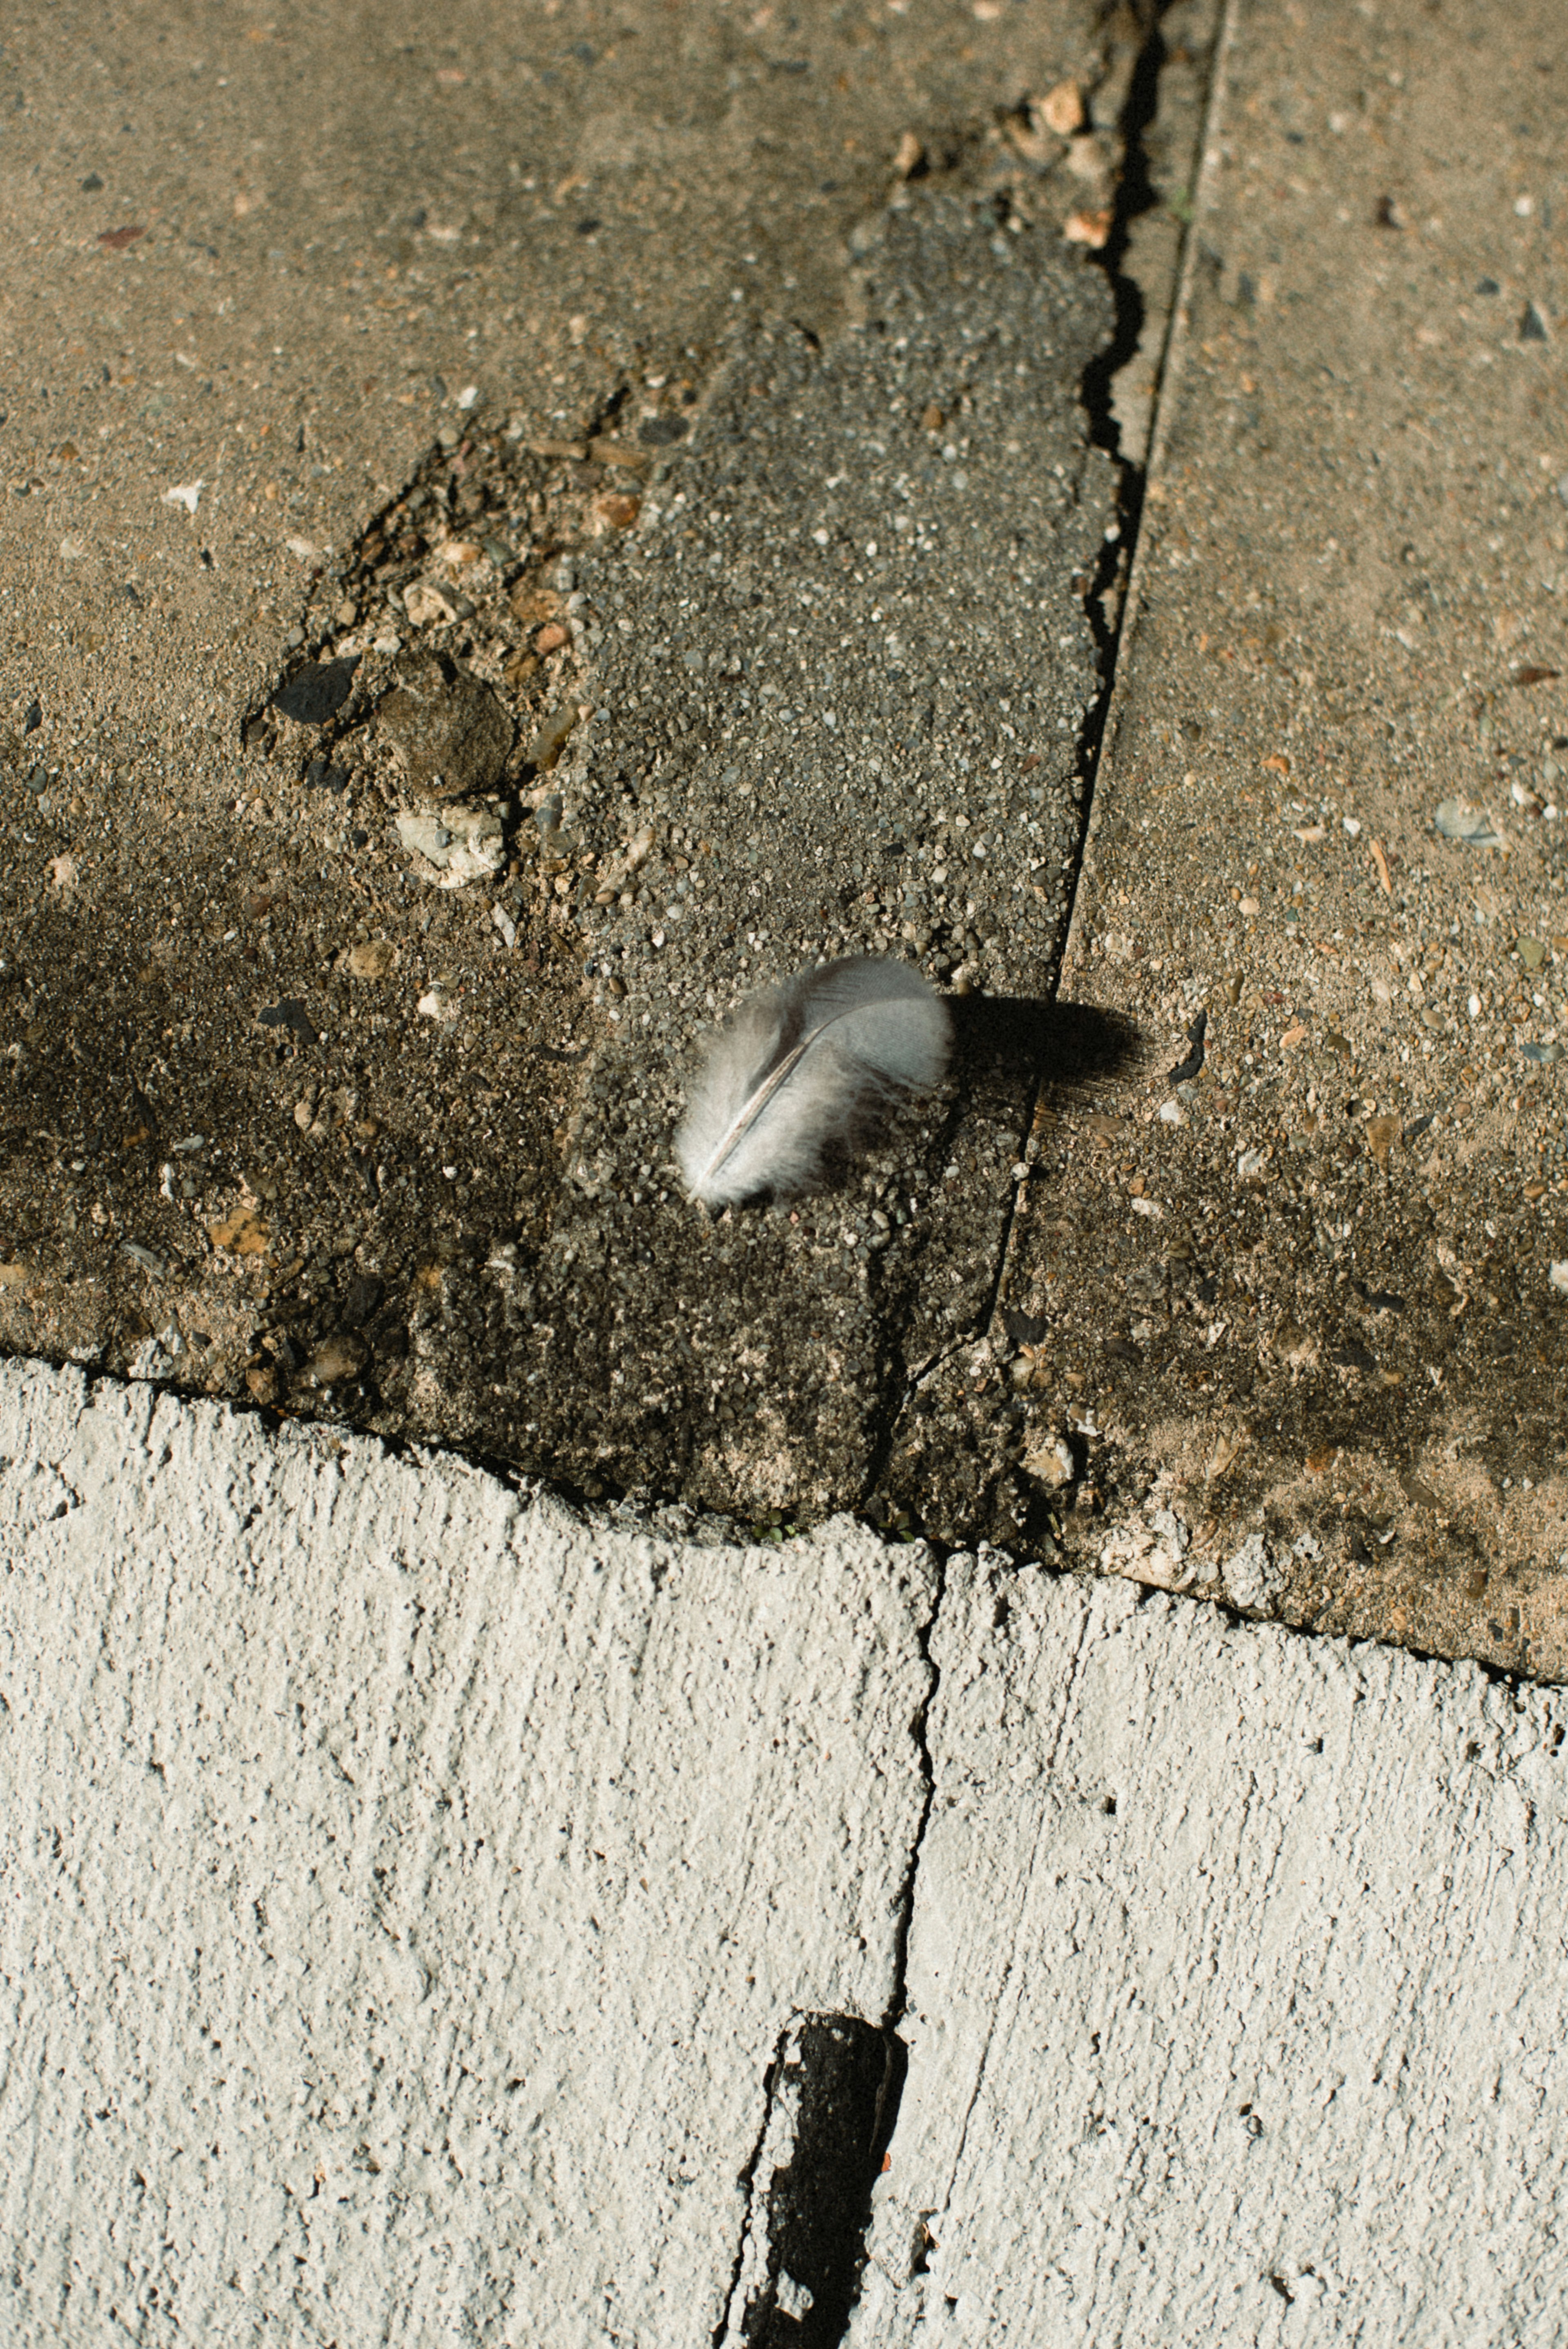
(1236, 1988)
(1303, 1282)
(311, 944)
(431, 1914)
(414, 1881)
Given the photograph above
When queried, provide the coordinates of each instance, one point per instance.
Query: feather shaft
(751, 1112)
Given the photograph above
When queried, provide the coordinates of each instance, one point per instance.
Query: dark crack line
(1135, 196)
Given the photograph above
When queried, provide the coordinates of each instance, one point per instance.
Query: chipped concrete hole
(830, 2102)
(470, 644)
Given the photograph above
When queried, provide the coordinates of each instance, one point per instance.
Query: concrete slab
(410, 1885)
(1236, 1988)
(1299, 1289)
(431, 1913)
(347, 993)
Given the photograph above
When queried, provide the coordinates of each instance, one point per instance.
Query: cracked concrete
(438, 1913)
(447, 1909)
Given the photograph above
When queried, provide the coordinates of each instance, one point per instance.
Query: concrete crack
(830, 2103)
(831, 2096)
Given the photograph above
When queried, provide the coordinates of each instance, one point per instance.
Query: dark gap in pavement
(1106, 593)
(1135, 195)
(831, 2097)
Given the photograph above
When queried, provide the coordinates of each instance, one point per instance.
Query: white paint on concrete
(405, 1885)
(1239, 1987)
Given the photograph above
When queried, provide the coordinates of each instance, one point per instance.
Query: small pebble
(1458, 819)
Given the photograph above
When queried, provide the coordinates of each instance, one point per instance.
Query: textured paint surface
(408, 1890)
(1237, 1989)
(406, 1885)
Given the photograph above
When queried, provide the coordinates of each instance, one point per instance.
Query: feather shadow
(1068, 1048)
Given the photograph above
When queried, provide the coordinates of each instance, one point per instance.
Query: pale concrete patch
(413, 1891)
(407, 1883)
(1237, 1989)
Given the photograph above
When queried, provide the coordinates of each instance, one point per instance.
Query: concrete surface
(641, 374)
(434, 1909)
(1308, 1286)
(414, 1881)
(1236, 1987)
(433, 1914)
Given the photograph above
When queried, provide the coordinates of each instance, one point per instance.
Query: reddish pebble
(550, 639)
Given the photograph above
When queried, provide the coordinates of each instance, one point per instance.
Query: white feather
(802, 1068)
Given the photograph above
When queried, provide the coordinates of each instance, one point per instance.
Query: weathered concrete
(1309, 1285)
(645, 377)
(433, 1914)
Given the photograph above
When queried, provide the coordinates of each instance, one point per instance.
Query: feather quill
(803, 1068)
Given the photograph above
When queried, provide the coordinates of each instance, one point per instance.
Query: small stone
(910, 156)
(1086, 158)
(1295, 1346)
(1532, 327)
(1459, 818)
(466, 843)
(1049, 1460)
(618, 456)
(1062, 109)
(551, 739)
(262, 1384)
(1090, 229)
(316, 692)
(551, 638)
(1382, 1132)
(345, 614)
(430, 605)
(1532, 953)
(447, 727)
(1249, 1575)
(530, 605)
(341, 1356)
(1249, 905)
(372, 958)
(505, 925)
(239, 1234)
(612, 510)
(1171, 1113)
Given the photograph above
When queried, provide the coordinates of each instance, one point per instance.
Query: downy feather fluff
(801, 1068)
